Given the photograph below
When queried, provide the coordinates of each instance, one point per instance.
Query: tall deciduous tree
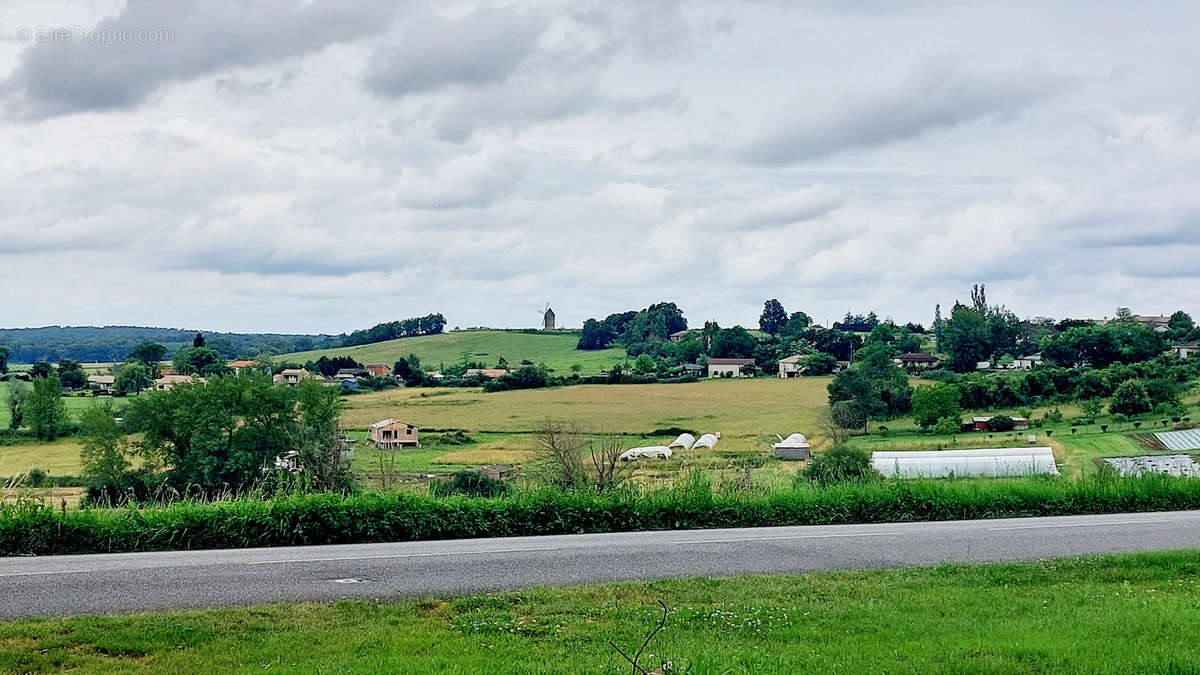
(44, 409)
(773, 317)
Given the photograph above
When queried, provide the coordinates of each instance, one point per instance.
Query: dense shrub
(470, 483)
(1001, 423)
(302, 519)
(840, 465)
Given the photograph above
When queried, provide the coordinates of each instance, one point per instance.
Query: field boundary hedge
(363, 518)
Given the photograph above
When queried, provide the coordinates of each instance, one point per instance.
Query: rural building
(791, 366)
(1027, 362)
(495, 471)
(388, 434)
(916, 360)
(945, 463)
(241, 364)
(351, 373)
(101, 384)
(1159, 324)
(1186, 349)
(290, 377)
(378, 369)
(548, 319)
(794, 446)
(486, 373)
(165, 382)
(693, 369)
(728, 367)
(981, 423)
(288, 461)
(680, 335)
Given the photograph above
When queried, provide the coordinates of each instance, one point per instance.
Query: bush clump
(841, 465)
(469, 483)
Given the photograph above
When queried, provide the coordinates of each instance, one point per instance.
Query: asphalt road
(123, 582)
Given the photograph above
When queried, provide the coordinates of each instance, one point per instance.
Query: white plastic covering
(650, 451)
(707, 441)
(792, 441)
(1188, 439)
(1172, 465)
(987, 462)
(685, 441)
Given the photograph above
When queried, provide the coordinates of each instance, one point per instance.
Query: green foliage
(1001, 423)
(199, 361)
(303, 519)
(526, 377)
(4, 352)
(71, 375)
(841, 465)
(965, 339)
(43, 409)
(132, 377)
(947, 426)
(934, 403)
(226, 434)
(596, 335)
(773, 317)
(736, 342)
(1131, 399)
(471, 484)
(150, 354)
(18, 393)
(653, 325)
(819, 363)
(431, 324)
(879, 387)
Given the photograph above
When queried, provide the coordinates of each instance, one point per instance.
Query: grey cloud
(433, 52)
(932, 99)
(62, 77)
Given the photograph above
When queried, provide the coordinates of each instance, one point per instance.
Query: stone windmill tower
(548, 318)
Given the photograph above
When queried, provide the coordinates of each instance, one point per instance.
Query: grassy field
(556, 350)
(1114, 614)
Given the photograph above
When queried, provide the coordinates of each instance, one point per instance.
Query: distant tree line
(430, 324)
(108, 344)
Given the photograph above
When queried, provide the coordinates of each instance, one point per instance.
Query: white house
(1026, 362)
(102, 383)
(1186, 349)
(728, 367)
(791, 366)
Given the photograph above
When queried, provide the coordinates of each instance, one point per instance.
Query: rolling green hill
(556, 350)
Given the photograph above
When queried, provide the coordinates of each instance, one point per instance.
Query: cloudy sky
(312, 166)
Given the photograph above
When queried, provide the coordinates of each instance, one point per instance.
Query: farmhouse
(165, 382)
(680, 335)
(791, 366)
(1186, 349)
(389, 434)
(290, 377)
(378, 369)
(486, 373)
(1159, 324)
(729, 367)
(351, 373)
(981, 423)
(241, 364)
(1026, 362)
(102, 384)
(916, 361)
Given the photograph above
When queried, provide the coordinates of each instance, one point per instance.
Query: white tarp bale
(1171, 465)
(685, 441)
(794, 446)
(649, 451)
(965, 463)
(707, 441)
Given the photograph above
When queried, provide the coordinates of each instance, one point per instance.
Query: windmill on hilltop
(547, 318)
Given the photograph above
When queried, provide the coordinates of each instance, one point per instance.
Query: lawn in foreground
(1109, 614)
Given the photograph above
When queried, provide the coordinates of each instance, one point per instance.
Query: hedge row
(335, 519)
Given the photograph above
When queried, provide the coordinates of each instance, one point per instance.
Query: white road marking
(38, 574)
(397, 555)
(1041, 527)
(797, 536)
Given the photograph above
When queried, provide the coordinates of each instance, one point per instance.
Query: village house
(680, 335)
(1026, 362)
(378, 369)
(165, 382)
(729, 367)
(1186, 349)
(693, 369)
(351, 373)
(486, 373)
(916, 361)
(241, 365)
(101, 384)
(389, 434)
(1159, 324)
(791, 366)
(290, 377)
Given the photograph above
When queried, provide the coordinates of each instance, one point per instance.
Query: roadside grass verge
(1107, 614)
(30, 528)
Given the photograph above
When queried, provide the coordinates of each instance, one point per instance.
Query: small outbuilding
(916, 361)
(794, 446)
(791, 366)
(390, 434)
(729, 367)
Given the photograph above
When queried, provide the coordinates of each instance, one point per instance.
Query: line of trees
(430, 324)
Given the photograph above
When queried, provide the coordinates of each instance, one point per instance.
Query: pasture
(556, 350)
(1060, 615)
